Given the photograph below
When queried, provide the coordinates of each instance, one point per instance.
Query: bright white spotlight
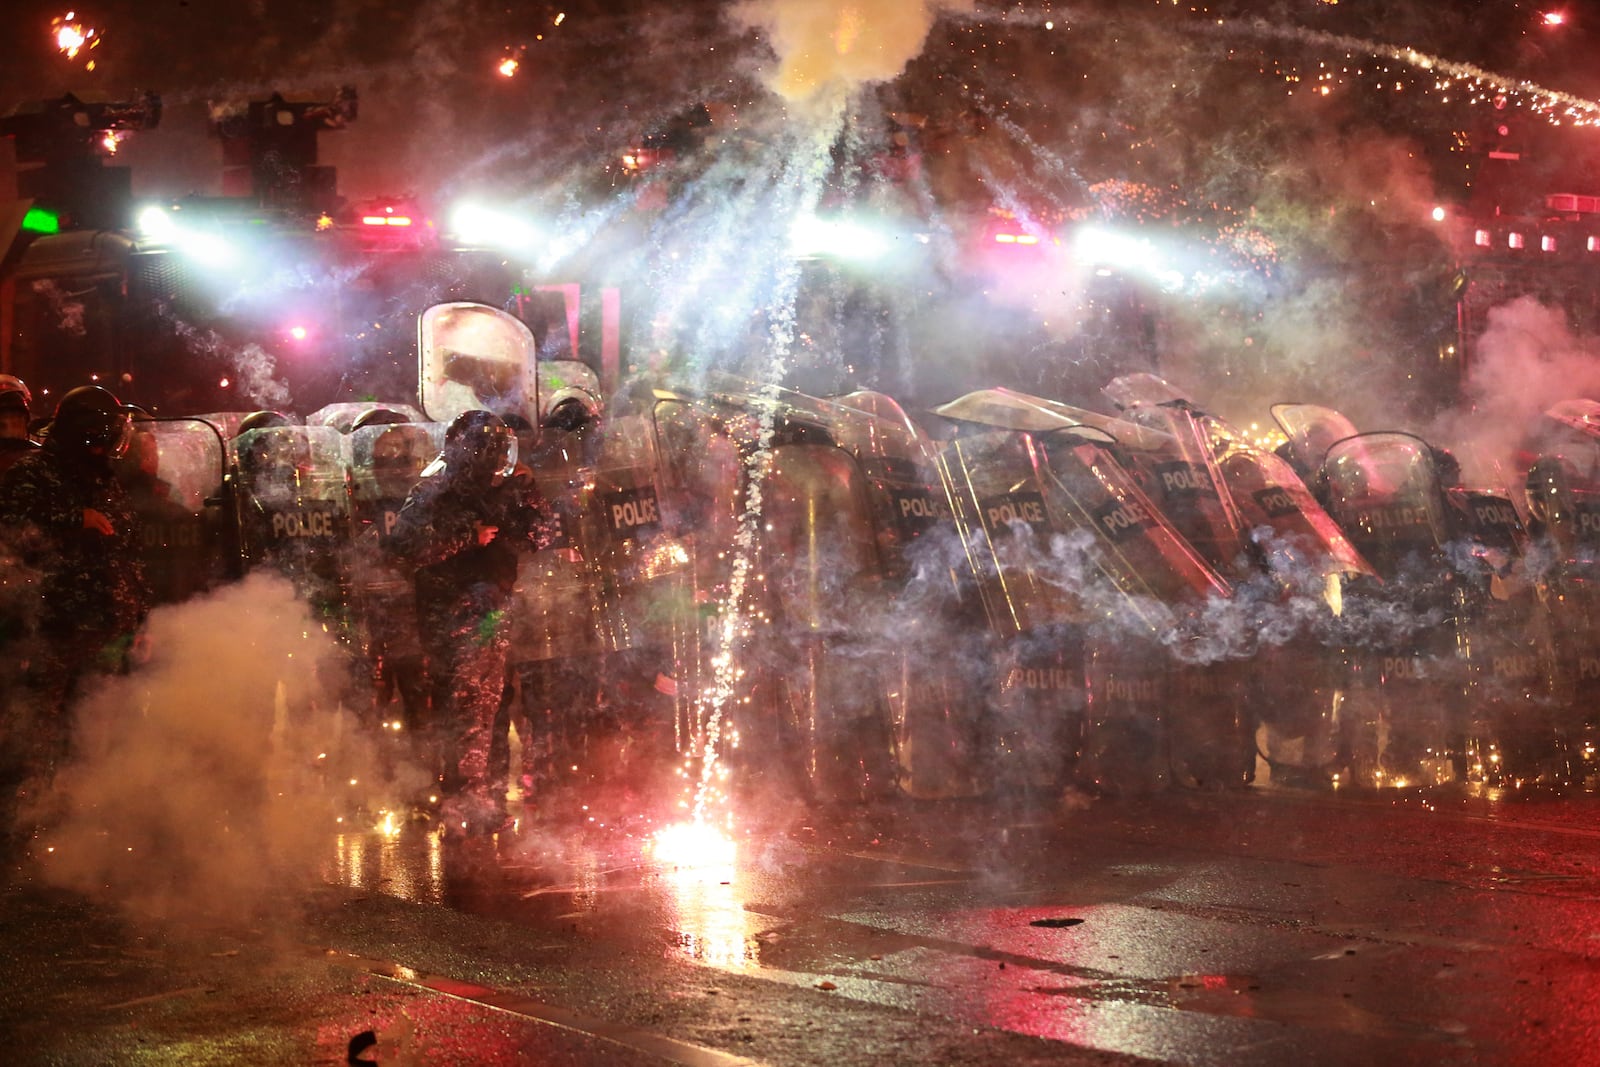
(1118, 250)
(206, 248)
(477, 225)
(836, 238)
(156, 223)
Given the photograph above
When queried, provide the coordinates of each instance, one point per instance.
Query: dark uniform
(63, 514)
(462, 528)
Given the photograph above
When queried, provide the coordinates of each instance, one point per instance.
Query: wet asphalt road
(1260, 927)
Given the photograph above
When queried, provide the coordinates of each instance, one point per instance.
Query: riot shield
(823, 640)
(1311, 430)
(174, 475)
(1148, 713)
(563, 607)
(1402, 721)
(564, 618)
(1058, 536)
(1524, 727)
(934, 675)
(385, 464)
(667, 485)
(1295, 682)
(1563, 505)
(294, 513)
(1005, 409)
(1186, 485)
(475, 357)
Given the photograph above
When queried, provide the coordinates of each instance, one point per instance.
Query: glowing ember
(71, 36)
(511, 61)
(693, 845)
(109, 141)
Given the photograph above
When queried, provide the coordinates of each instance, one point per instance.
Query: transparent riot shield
(475, 357)
(1311, 430)
(664, 507)
(1295, 679)
(564, 617)
(1150, 712)
(1522, 729)
(1185, 484)
(385, 464)
(563, 608)
(1562, 493)
(1061, 543)
(933, 676)
(294, 513)
(1402, 722)
(174, 474)
(823, 635)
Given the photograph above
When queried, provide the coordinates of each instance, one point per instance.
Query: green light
(38, 220)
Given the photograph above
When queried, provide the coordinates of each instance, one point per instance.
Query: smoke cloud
(839, 45)
(203, 785)
(1527, 359)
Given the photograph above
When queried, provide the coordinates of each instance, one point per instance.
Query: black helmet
(263, 420)
(14, 394)
(91, 421)
(379, 417)
(1447, 466)
(478, 445)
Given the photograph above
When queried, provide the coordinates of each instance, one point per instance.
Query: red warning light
(392, 223)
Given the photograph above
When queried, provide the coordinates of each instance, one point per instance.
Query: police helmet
(263, 420)
(1447, 466)
(91, 420)
(477, 445)
(14, 394)
(379, 417)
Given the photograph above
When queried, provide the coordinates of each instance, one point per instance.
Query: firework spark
(72, 37)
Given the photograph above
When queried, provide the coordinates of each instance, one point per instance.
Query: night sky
(1287, 133)
(434, 109)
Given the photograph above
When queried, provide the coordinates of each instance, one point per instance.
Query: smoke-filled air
(714, 414)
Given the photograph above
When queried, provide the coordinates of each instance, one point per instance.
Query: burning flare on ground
(693, 846)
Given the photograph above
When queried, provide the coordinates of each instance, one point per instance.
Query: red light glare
(386, 220)
(1554, 18)
(299, 333)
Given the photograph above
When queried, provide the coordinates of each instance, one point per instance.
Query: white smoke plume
(1528, 359)
(194, 789)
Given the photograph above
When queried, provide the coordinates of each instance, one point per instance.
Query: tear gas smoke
(251, 368)
(204, 784)
(1527, 359)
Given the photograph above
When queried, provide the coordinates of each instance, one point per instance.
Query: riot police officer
(462, 528)
(63, 513)
(16, 403)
